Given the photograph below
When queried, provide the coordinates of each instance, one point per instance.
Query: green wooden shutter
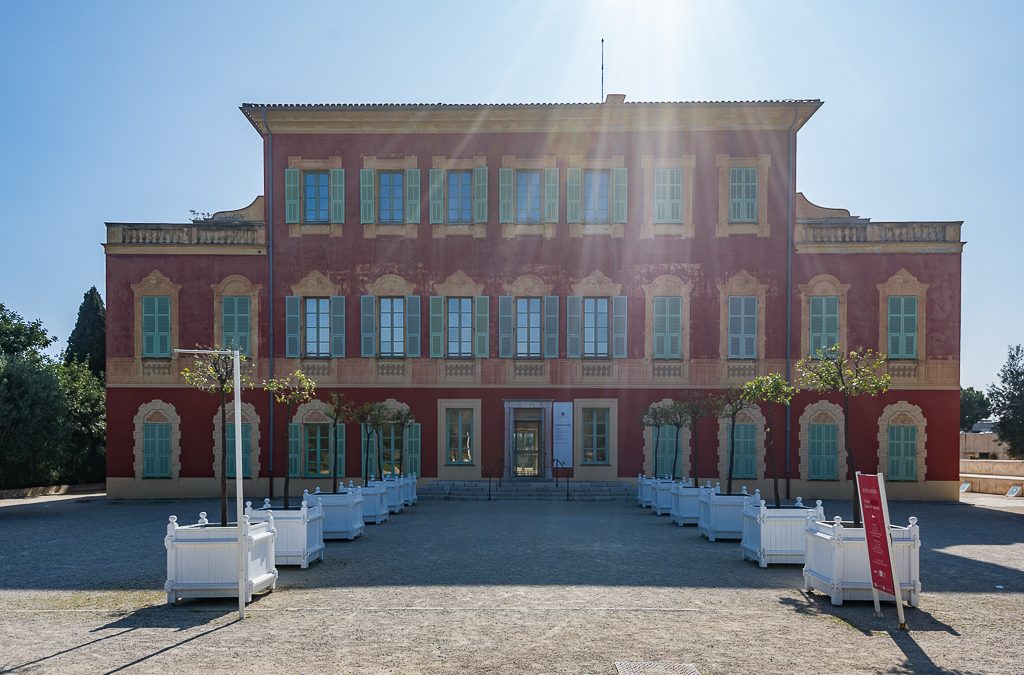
(668, 195)
(369, 451)
(665, 450)
(574, 195)
(619, 327)
(661, 208)
(814, 452)
(291, 196)
(339, 449)
(506, 195)
(660, 327)
(235, 313)
(229, 451)
(480, 194)
(148, 325)
(156, 450)
(831, 315)
(227, 321)
(367, 325)
(156, 325)
(367, 199)
(412, 325)
(294, 449)
(551, 326)
(482, 327)
(411, 457)
(506, 327)
(910, 452)
(620, 190)
(436, 177)
(337, 180)
(742, 327)
(910, 326)
(551, 195)
(338, 325)
(436, 327)
(412, 195)
(246, 450)
(292, 342)
(824, 322)
(573, 327)
(745, 458)
(668, 321)
(823, 452)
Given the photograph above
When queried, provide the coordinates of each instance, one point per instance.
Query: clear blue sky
(128, 110)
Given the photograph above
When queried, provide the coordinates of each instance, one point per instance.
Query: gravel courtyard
(505, 586)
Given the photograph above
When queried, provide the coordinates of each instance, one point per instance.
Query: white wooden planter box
(375, 502)
(662, 496)
(343, 512)
(645, 491)
(721, 516)
(300, 533)
(685, 509)
(836, 562)
(776, 536)
(202, 560)
(395, 501)
(407, 483)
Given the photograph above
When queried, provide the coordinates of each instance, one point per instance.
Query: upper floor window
(595, 196)
(391, 197)
(528, 196)
(668, 196)
(388, 197)
(317, 328)
(314, 326)
(460, 197)
(316, 197)
(595, 435)
(902, 326)
(528, 326)
(156, 326)
(743, 195)
(668, 327)
(392, 327)
(824, 320)
(595, 327)
(235, 323)
(742, 327)
(460, 327)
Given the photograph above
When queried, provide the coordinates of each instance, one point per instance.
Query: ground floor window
(246, 450)
(156, 450)
(667, 452)
(595, 435)
(391, 449)
(317, 449)
(460, 435)
(902, 452)
(824, 452)
(745, 457)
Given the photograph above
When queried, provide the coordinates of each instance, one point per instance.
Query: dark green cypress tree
(88, 341)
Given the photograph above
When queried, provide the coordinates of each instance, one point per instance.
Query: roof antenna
(602, 69)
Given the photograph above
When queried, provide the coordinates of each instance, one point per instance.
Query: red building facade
(527, 280)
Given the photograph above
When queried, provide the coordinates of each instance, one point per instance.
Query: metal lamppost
(236, 367)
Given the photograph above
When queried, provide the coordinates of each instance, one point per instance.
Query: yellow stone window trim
(529, 285)
(443, 230)
(249, 416)
(236, 284)
(614, 230)
(155, 283)
(903, 283)
(822, 412)
(822, 284)
(316, 284)
(685, 460)
(547, 230)
(311, 412)
(609, 471)
(741, 283)
(903, 413)
(648, 228)
(375, 229)
(391, 285)
(458, 285)
(157, 411)
(596, 285)
(446, 471)
(725, 162)
(306, 164)
(750, 416)
(666, 285)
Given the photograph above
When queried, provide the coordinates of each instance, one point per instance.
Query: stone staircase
(529, 489)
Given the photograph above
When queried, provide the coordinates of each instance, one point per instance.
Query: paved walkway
(497, 587)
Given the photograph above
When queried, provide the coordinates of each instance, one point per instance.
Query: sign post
(875, 509)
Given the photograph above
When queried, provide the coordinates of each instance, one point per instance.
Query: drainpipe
(270, 283)
(791, 167)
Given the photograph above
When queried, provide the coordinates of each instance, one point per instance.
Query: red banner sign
(876, 526)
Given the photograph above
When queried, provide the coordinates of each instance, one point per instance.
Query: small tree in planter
(214, 374)
(401, 418)
(341, 411)
(371, 417)
(771, 389)
(731, 402)
(852, 374)
(292, 390)
(695, 405)
(654, 418)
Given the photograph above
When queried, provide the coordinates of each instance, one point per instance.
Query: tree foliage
(974, 407)
(85, 420)
(32, 432)
(730, 403)
(88, 341)
(771, 389)
(22, 338)
(292, 390)
(1007, 399)
(340, 411)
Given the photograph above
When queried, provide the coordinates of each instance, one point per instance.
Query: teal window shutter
(620, 189)
(824, 322)
(742, 327)
(246, 450)
(149, 325)
(156, 450)
(436, 177)
(411, 459)
(551, 326)
(291, 196)
(338, 325)
(574, 195)
(366, 195)
(412, 195)
(436, 327)
(235, 323)
(910, 326)
(668, 311)
(667, 448)
(745, 458)
(823, 452)
(505, 326)
(668, 196)
(480, 194)
(903, 326)
(156, 325)
(902, 452)
(482, 327)
(367, 325)
(412, 325)
(339, 448)
(292, 343)
(551, 195)
(506, 194)
(337, 195)
(573, 326)
(619, 327)
(294, 449)
(369, 450)
(743, 195)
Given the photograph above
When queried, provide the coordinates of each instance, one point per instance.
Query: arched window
(748, 462)
(902, 442)
(822, 446)
(250, 442)
(157, 435)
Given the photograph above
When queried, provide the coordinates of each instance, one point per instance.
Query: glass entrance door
(527, 448)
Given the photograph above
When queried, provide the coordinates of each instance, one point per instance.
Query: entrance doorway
(527, 449)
